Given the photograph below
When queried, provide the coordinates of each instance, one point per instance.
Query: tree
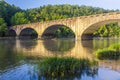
(108, 30)
(64, 32)
(3, 27)
(19, 18)
(7, 11)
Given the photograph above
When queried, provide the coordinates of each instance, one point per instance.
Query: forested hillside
(7, 11)
(11, 15)
(53, 12)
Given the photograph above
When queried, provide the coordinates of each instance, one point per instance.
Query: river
(17, 57)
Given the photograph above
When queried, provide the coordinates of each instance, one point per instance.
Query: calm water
(18, 58)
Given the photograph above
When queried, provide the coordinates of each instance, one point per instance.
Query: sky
(26, 4)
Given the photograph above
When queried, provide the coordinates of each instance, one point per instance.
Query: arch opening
(89, 32)
(12, 33)
(28, 33)
(58, 31)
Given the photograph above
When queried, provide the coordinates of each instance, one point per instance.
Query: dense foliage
(49, 12)
(53, 12)
(7, 11)
(3, 27)
(111, 30)
(19, 18)
(65, 32)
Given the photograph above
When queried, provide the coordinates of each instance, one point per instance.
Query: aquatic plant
(115, 47)
(107, 53)
(65, 67)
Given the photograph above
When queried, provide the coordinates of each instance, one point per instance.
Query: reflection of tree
(28, 44)
(9, 43)
(59, 45)
(8, 57)
(104, 42)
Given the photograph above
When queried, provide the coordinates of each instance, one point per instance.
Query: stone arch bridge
(83, 27)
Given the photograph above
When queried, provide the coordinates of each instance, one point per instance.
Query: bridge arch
(82, 26)
(28, 33)
(91, 28)
(50, 31)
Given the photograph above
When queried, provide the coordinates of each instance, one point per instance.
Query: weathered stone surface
(83, 25)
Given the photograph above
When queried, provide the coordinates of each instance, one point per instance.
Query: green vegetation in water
(107, 54)
(55, 67)
(112, 52)
(116, 47)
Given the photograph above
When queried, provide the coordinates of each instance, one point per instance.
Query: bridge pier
(87, 37)
(84, 37)
(17, 37)
(78, 38)
(39, 37)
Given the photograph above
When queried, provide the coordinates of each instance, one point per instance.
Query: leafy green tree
(53, 12)
(19, 18)
(3, 27)
(7, 11)
(108, 30)
(64, 32)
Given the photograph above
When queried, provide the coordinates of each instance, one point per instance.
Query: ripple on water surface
(29, 72)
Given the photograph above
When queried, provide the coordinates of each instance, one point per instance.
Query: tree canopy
(111, 30)
(19, 18)
(3, 27)
(7, 11)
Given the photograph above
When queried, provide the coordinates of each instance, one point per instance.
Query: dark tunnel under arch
(28, 33)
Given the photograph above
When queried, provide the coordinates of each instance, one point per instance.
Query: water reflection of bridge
(49, 48)
(63, 48)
